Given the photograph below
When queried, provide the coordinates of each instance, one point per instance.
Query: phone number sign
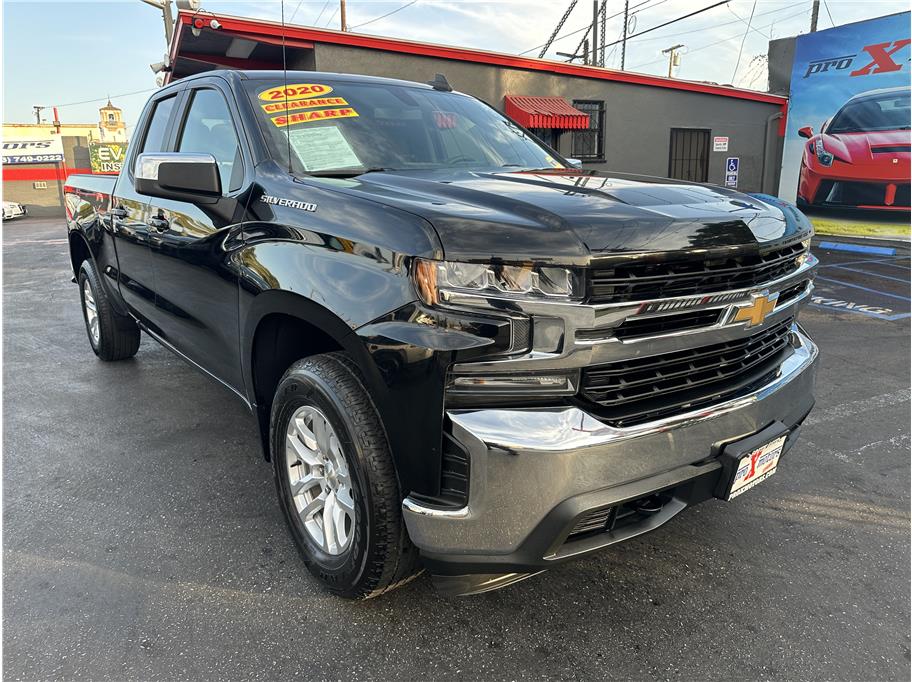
(32, 151)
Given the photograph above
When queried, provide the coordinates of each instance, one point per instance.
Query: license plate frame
(748, 462)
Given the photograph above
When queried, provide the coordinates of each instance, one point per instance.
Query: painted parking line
(858, 248)
(870, 273)
(876, 261)
(858, 286)
(879, 312)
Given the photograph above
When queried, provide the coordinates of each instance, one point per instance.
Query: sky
(76, 54)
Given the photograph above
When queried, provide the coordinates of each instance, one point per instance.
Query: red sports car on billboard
(860, 158)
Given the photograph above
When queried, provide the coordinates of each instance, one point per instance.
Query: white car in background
(13, 210)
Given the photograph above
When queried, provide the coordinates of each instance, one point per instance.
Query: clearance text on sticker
(276, 107)
(317, 115)
(296, 91)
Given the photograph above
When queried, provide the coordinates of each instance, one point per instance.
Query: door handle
(118, 212)
(159, 224)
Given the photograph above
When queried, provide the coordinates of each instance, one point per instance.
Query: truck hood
(571, 217)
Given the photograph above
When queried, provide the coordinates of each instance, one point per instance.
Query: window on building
(688, 155)
(157, 132)
(111, 118)
(589, 144)
(550, 136)
(208, 129)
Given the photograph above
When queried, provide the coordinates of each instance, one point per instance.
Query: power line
(560, 25)
(333, 16)
(587, 27)
(322, 9)
(744, 21)
(719, 42)
(674, 21)
(827, 8)
(106, 97)
(384, 16)
(666, 36)
(297, 7)
(741, 49)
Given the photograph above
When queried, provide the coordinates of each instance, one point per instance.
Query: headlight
(435, 279)
(823, 156)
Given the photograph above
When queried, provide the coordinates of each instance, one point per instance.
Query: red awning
(544, 112)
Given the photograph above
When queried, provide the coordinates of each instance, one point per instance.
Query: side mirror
(575, 163)
(807, 132)
(181, 176)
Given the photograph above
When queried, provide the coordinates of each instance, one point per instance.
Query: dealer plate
(756, 466)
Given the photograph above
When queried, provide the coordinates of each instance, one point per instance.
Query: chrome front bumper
(526, 464)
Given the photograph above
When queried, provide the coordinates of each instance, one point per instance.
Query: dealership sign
(881, 60)
(107, 157)
(32, 151)
(847, 139)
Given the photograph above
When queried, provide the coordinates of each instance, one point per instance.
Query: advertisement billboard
(32, 151)
(847, 133)
(107, 157)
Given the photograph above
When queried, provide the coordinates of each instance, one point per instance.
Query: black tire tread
(119, 335)
(394, 559)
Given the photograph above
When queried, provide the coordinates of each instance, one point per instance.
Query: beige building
(37, 157)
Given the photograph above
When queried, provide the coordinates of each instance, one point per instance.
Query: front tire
(335, 479)
(112, 336)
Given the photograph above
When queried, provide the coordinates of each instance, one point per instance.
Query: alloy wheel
(319, 480)
(91, 311)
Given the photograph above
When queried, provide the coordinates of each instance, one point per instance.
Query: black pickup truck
(465, 354)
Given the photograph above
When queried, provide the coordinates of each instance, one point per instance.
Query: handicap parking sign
(731, 164)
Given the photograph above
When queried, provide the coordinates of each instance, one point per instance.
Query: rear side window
(209, 129)
(157, 132)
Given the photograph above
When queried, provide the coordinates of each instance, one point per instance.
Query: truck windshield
(346, 128)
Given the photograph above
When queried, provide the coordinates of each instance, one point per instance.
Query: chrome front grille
(643, 389)
(641, 281)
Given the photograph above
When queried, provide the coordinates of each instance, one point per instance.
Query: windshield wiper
(347, 172)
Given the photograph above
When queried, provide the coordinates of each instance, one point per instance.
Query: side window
(208, 129)
(157, 132)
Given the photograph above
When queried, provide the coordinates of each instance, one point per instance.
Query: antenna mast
(285, 87)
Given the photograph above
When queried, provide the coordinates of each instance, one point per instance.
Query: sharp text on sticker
(318, 115)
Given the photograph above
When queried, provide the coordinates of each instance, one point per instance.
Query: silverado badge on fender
(291, 203)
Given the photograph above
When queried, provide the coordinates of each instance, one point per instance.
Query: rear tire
(335, 479)
(112, 336)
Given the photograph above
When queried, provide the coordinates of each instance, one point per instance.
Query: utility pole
(165, 7)
(624, 34)
(342, 14)
(814, 12)
(674, 59)
(595, 15)
(604, 12)
(38, 109)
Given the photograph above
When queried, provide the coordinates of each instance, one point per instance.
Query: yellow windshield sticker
(554, 162)
(276, 107)
(317, 115)
(294, 92)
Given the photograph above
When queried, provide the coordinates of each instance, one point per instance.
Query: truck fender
(337, 334)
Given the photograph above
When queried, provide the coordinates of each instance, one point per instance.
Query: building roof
(240, 35)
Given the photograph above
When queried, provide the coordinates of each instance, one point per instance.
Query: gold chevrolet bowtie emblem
(760, 306)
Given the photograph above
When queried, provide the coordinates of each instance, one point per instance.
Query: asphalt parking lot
(142, 539)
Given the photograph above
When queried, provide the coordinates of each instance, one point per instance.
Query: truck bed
(102, 184)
